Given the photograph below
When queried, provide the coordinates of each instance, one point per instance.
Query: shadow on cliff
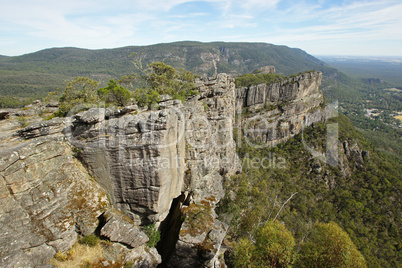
(170, 229)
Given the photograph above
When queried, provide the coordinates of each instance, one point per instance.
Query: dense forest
(364, 200)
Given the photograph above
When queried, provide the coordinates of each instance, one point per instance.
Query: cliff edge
(65, 177)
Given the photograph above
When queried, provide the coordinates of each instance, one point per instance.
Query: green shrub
(90, 240)
(164, 79)
(273, 247)
(114, 94)
(146, 97)
(153, 234)
(129, 264)
(80, 94)
(329, 246)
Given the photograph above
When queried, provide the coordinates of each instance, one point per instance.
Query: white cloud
(189, 15)
(357, 24)
(96, 24)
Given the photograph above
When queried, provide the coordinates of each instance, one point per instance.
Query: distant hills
(46, 70)
(386, 68)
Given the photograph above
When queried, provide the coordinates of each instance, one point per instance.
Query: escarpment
(164, 166)
(272, 113)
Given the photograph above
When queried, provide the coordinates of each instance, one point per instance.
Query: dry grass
(399, 117)
(392, 89)
(77, 256)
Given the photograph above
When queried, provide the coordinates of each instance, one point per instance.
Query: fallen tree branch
(277, 214)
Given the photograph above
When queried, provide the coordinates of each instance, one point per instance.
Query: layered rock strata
(145, 160)
(46, 200)
(272, 113)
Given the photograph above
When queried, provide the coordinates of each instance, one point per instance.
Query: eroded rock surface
(271, 114)
(138, 159)
(46, 199)
(119, 228)
(210, 156)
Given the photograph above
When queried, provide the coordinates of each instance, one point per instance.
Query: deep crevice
(102, 222)
(170, 229)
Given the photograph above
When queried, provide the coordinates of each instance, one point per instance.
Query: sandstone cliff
(271, 114)
(165, 166)
(46, 199)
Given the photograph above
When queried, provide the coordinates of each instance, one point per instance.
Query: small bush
(146, 97)
(80, 94)
(60, 256)
(115, 94)
(153, 234)
(330, 246)
(273, 247)
(129, 264)
(90, 240)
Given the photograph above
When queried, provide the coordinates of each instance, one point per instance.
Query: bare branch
(272, 208)
(284, 205)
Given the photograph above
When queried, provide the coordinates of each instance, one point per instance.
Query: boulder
(120, 228)
(143, 257)
(4, 114)
(91, 116)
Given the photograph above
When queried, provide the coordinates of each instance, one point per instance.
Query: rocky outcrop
(164, 166)
(267, 70)
(145, 160)
(138, 159)
(44, 128)
(355, 154)
(37, 107)
(210, 156)
(4, 114)
(46, 200)
(271, 114)
(119, 228)
(303, 87)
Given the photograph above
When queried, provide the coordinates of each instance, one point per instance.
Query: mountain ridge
(62, 64)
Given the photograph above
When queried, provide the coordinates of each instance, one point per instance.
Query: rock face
(301, 87)
(146, 160)
(271, 114)
(267, 70)
(210, 156)
(138, 159)
(46, 199)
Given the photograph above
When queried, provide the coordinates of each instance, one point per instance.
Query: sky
(320, 27)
